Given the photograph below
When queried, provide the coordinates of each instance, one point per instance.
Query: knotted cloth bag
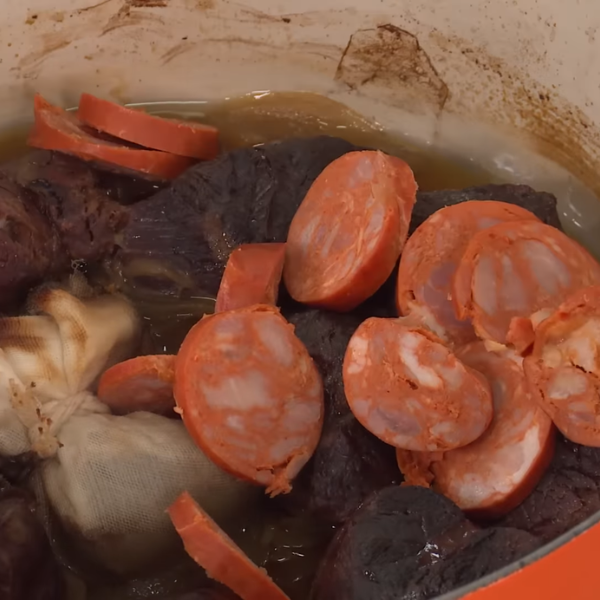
(108, 479)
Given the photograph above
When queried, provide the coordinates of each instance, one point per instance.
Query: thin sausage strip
(563, 370)
(495, 473)
(252, 276)
(431, 256)
(57, 129)
(218, 554)
(514, 270)
(347, 235)
(143, 383)
(250, 395)
(409, 390)
(183, 138)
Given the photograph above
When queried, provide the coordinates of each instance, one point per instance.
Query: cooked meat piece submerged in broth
(30, 247)
(409, 543)
(67, 173)
(541, 204)
(55, 209)
(349, 463)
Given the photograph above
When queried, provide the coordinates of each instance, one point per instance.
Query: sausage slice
(431, 256)
(514, 270)
(563, 370)
(183, 138)
(495, 473)
(143, 383)
(57, 129)
(347, 235)
(409, 390)
(218, 554)
(252, 276)
(250, 395)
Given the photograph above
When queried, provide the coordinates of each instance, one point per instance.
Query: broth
(289, 548)
(265, 117)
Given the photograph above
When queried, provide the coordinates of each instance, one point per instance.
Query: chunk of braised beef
(30, 247)
(53, 211)
(75, 198)
(409, 543)
(349, 463)
(541, 204)
(179, 237)
(115, 183)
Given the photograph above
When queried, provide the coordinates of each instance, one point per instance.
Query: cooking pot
(515, 84)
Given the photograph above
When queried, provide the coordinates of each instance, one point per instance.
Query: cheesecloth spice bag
(108, 478)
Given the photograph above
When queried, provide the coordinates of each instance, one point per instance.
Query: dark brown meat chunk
(541, 204)
(245, 196)
(409, 543)
(104, 180)
(61, 216)
(28, 570)
(70, 195)
(568, 493)
(30, 248)
(481, 553)
(349, 463)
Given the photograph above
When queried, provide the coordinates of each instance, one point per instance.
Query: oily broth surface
(263, 117)
(289, 548)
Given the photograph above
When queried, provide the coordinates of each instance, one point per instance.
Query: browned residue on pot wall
(126, 17)
(392, 59)
(510, 98)
(148, 3)
(390, 64)
(373, 55)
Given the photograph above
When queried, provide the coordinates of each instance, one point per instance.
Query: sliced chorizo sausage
(252, 276)
(563, 370)
(409, 390)
(431, 256)
(347, 235)
(183, 138)
(57, 129)
(250, 395)
(142, 383)
(495, 473)
(218, 554)
(514, 270)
